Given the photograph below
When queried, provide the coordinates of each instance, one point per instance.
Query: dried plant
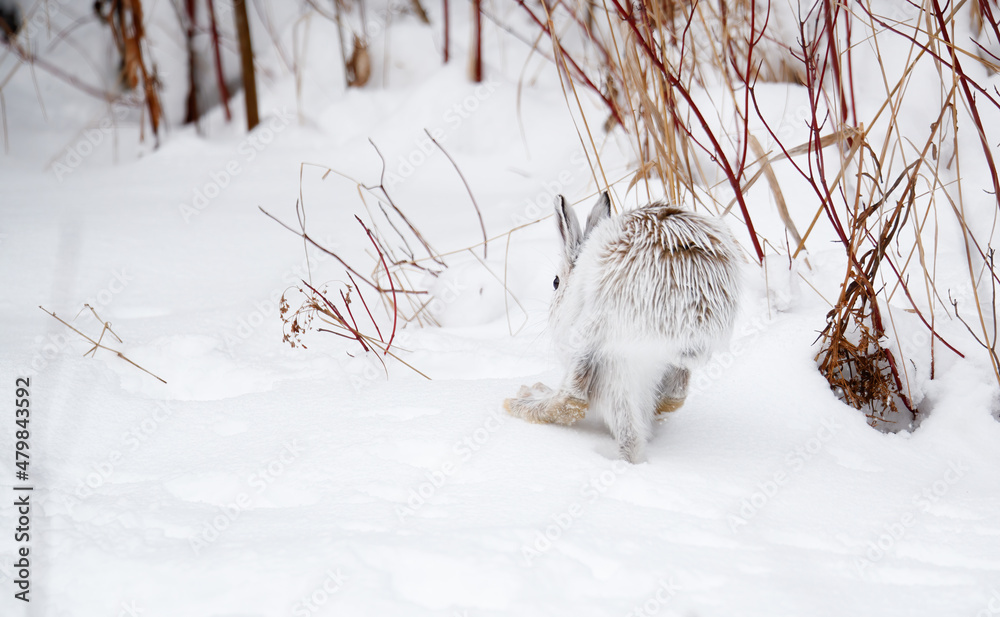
(99, 343)
(403, 261)
(359, 66)
(125, 19)
(860, 369)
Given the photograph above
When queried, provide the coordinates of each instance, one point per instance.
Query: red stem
(191, 113)
(365, 304)
(350, 313)
(395, 310)
(357, 335)
(447, 31)
(830, 27)
(970, 99)
(223, 91)
(477, 57)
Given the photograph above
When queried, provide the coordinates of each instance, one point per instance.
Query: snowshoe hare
(641, 298)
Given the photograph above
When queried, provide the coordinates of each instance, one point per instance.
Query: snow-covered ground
(263, 480)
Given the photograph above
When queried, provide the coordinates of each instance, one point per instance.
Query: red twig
(346, 265)
(447, 31)
(191, 112)
(477, 51)
(223, 90)
(830, 11)
(970, 99)
(395, 311)
(350, 313)
(357, 334)
(367, 310)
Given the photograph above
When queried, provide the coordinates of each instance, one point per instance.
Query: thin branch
(308, 238)
(468, 189)
(395, 307)
(98, 345)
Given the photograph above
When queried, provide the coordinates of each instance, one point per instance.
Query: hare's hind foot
(666, 404)
(542, 405)
(672, 390)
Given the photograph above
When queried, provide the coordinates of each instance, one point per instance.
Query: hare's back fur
(663, 273)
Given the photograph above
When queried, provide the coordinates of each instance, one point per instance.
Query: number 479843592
(22, 401)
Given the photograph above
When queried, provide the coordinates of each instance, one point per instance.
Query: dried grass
(99, 343)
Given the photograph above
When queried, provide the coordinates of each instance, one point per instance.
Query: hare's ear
(569, 228)
(601, 211)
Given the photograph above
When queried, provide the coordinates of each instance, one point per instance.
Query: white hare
(641, 298)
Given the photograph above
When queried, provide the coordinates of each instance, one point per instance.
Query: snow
(262, 480)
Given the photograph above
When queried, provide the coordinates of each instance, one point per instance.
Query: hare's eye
(555, 283)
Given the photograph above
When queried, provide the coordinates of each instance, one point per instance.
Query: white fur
(643, 297)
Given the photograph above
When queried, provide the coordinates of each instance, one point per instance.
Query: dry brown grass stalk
(125, 19)
(99, 344)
